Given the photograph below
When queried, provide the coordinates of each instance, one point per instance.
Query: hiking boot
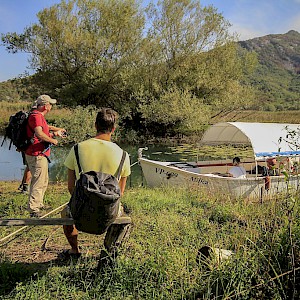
(46, 208)
(67, 255)
(23, 188)
(36, 214)
(127, 210)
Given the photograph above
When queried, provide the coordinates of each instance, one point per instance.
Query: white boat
(264, 139)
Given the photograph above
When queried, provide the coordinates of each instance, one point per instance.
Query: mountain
(277, 76)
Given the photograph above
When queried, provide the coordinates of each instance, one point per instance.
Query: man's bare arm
(122, 184)
(71, 180)
(43, 136)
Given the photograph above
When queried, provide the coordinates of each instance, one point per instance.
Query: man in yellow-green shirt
(96, 154)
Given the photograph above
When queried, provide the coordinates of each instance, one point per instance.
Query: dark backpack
(16, 131)
(95, 202)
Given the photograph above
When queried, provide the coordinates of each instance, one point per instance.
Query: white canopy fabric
(263, 137)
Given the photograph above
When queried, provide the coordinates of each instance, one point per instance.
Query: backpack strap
(4, 138)
(77, 158)
(119, 168)
(121, 165)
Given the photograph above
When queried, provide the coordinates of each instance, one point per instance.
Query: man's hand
(54, 142)
(61, 133)
(57, 131)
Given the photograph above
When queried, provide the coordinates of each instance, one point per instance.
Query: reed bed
(289, 117)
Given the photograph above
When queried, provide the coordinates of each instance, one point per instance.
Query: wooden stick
(34, 222)
(24, 227)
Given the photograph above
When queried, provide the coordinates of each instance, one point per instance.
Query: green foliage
(166, 69)
(178, 108)
(79, 123)
(82, 49)
(197, 69)
(8, 92)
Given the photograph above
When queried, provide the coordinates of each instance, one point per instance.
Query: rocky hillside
(278, 74)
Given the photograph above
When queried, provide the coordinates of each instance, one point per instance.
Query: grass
(159, 260)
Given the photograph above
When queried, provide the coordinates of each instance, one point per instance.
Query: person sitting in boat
(271, 169)
(237, 171)
(268, 171)
(286, 166)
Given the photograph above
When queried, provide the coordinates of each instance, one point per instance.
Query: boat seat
(183, 165)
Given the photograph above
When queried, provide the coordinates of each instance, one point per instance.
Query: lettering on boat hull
(167, 173)
(199, 180)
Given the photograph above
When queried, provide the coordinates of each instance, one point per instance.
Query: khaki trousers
(38, 166)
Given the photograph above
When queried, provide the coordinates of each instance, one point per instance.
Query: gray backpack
(95, 202)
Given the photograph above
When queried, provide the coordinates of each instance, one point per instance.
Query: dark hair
(271, 161)
(106, 120)
(237, 160)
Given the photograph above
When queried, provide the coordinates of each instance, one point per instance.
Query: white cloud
(250, 21)
(294, 23)
(245, 33)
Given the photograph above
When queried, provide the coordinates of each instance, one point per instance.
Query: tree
(83, 49)
(189, 50)
(8, 92)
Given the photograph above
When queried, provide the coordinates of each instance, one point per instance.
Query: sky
(249, 19)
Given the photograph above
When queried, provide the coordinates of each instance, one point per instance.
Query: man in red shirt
(37, 154)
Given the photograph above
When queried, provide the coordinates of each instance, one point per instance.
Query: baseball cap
(42, 100)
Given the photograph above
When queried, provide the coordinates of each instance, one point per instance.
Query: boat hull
(165, 174)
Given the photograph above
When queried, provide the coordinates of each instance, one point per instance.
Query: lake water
(11, 165)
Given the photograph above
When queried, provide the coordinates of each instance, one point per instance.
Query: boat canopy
(263, 137)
